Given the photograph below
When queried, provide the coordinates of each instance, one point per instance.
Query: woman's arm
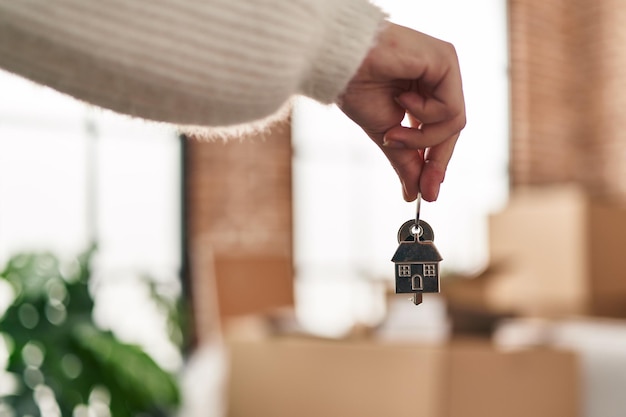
(201, 62)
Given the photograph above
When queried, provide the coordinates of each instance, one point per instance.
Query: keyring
(417, 212)
(416, 228)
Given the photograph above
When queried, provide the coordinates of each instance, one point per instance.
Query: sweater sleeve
(200, 62)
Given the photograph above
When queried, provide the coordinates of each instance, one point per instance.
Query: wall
(567, 94)
(239, 222)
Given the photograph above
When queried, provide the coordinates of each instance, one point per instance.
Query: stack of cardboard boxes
(566, 253)
(558, 253)
(558, 276)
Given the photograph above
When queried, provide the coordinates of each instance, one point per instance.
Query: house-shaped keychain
(417, 261)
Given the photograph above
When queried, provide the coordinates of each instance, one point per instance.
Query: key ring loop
(416, 230)
(417, 212)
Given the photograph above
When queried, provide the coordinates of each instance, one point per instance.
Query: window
(430, 270)
(71, 174)
(404, 270)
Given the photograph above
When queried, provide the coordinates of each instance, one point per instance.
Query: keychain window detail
(404, 270)
(430, 270)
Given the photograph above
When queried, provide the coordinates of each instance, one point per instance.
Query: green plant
(58, 353)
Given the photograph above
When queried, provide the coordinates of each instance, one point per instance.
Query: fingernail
(393, 144)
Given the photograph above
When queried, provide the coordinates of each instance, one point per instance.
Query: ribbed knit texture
(201, 62)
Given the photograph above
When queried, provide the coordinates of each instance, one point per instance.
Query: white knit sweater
(202, 62)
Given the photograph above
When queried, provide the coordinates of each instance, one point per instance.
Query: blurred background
(146, 272)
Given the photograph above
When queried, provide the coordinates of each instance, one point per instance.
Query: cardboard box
(312, 378)
(600, 344)
(563, 253)
(253, 284)
(226, 287)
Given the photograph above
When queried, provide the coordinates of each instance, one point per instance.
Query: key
(416, 259)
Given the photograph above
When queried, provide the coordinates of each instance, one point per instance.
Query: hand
(408, 72)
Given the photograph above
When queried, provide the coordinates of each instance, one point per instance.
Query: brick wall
(609, 130)
(568, 95)
(239, 223)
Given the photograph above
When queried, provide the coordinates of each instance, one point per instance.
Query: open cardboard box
(312, 378)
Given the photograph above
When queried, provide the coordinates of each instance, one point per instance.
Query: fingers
(426, 109)
(401, 137)
(421, 170)
(408, 166)
(407, 72)
(439, 122)
(434, 128)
